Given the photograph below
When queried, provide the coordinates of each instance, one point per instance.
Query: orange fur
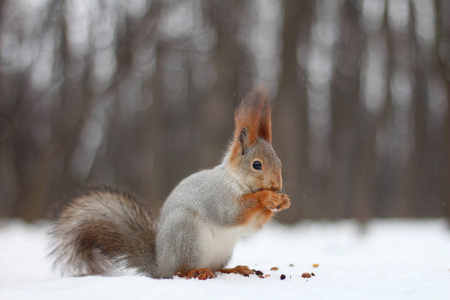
(263, 217)
(243, 270)
(258, 206)
(201, 274)
(254, 113)
(250, 208)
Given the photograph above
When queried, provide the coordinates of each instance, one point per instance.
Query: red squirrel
(200, 221)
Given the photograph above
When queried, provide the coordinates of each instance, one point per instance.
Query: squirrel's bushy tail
(101, 229)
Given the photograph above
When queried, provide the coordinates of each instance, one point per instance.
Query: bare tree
(290, 115)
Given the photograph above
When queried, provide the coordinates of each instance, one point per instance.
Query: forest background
(140, 94)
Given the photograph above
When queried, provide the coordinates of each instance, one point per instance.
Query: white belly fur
(217, 245)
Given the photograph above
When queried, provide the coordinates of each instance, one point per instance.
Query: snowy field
(395, 259)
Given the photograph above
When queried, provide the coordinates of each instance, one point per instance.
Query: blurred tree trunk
(364, 157)
(6, 149)
(290, 136)
(446, 183)
(32, 184)
(364, 164)
(152, 135)
(218, 108)
(345, 91)
(122, 145)
(420, 196)
(397, 181)
(443, 66)
(155, 168)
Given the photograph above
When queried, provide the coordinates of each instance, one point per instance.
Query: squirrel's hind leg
(242, 270)
(201, 274)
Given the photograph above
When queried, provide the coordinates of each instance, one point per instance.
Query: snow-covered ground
(394, 259)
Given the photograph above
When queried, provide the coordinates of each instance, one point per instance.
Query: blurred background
(140, 94)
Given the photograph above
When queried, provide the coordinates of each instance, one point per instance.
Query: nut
(306, 275)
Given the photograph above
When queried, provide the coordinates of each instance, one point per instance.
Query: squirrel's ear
(243, 140)
(252, 119)
(254, 114)
(240, 143)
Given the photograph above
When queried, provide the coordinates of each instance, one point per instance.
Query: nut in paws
(276, 201)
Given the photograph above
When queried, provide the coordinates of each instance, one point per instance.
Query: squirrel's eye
(257, 165)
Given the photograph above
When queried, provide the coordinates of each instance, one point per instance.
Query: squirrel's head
(252, 157)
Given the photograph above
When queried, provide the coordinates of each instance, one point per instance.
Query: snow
(392, 259)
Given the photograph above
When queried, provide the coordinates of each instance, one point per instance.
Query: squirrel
(104, 228)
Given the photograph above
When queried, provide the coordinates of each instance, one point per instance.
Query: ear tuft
(253, 115)
(265, 122)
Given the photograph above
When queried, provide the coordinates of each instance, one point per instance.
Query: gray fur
(200, 200)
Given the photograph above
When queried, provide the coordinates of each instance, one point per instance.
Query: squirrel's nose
(276, 186)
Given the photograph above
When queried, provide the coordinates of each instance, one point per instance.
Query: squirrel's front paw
(275, 201)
